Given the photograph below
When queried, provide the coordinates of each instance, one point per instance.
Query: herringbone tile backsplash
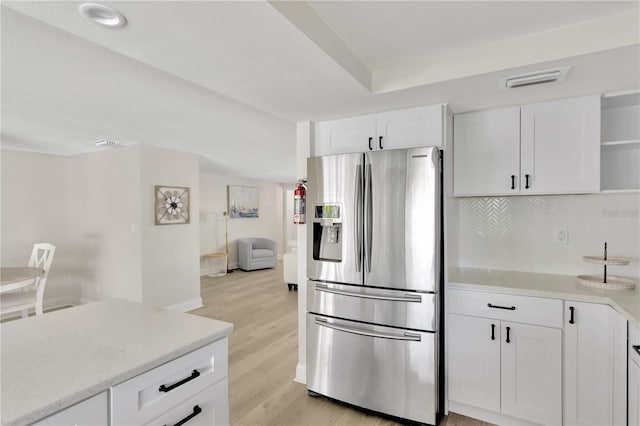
(517, 233)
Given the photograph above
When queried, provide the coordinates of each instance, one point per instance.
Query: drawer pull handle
(636, 348)
(509, 308)
(493, 332)
(508, 329)
(571, 309)
(165, 388)
(196, 410)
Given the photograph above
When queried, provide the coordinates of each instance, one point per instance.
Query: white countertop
(53, 361)
(566, 287)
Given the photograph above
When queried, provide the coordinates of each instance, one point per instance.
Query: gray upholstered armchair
(256, 253)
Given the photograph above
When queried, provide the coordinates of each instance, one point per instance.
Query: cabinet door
(532, 373)
(634, 394)
(560, 147)
(474, 361)
(595, 359)
(345, 136)
(410, 128)
(486, 152)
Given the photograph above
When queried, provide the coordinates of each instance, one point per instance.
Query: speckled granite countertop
(566, 287)
(55, 360)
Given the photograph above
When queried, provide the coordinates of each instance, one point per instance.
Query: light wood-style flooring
(263, 353)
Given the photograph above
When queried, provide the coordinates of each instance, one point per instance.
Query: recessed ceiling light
(531, 78)
(103, 15)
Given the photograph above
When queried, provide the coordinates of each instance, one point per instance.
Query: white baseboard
(485, 415)
(301, 374)
(187, 305)
(48, 305)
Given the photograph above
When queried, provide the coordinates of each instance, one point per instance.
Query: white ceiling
(228, 80)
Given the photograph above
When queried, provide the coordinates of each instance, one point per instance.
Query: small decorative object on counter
(605, 281)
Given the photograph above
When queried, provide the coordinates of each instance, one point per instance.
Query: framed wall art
(243, 201)
(172, 205)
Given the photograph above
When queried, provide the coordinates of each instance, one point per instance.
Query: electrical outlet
(561, 236)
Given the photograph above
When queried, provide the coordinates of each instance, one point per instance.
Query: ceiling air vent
(531, 78)
(106, 142)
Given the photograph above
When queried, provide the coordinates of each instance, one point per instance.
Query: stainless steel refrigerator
(374, 268)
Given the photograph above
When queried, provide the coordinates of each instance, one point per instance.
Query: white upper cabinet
(406, 128)
(346, 135)
(543, 148)
(560, 146)
(486, 152)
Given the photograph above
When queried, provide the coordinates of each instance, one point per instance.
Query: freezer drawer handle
(509, 308)
(636, 348)
(196, 410)
(415, 298)
(406, 336)
(165, 388)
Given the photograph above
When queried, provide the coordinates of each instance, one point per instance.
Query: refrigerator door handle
(415, 298)
(406, 336)
(369, 216)
(358, 218)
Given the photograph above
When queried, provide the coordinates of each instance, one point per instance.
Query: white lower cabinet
(595, 362)
(531, 373)
(634, 376)
(90, 412)
(501, 365)
(634, 394)
(474, 361)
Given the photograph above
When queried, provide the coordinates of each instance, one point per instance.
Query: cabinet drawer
(208, 408)
(634, 342)
(525, 309)
(143, 398)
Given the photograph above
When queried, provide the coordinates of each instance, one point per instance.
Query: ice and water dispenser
(327, 233)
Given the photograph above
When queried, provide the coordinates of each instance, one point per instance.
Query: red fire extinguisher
(298, 204)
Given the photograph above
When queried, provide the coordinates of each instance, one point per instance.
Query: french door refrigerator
(374, 268)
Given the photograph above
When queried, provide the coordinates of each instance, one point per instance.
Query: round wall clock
(172, 205)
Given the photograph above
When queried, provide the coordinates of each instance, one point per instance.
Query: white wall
(98, 209)
(516, 233)
(34, 209)
(170, 266)
(213, 199)
(104, 221)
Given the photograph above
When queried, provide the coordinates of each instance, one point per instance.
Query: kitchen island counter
(53, 361)
(566, 287)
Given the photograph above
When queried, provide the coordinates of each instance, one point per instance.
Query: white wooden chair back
(41, 257)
